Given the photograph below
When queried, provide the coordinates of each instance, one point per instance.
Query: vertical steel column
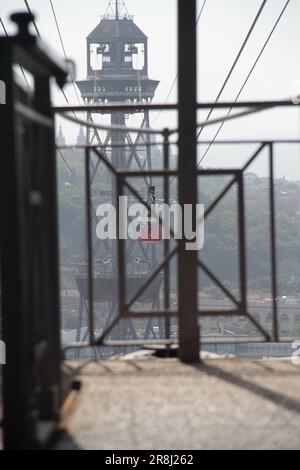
(121, 251)
(273, 245)
(89, 236)
(167, 241)
(47, 250)
(187, 96)
(16, 392)
(118, 160)
(242, 242)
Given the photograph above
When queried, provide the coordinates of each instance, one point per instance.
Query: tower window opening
(99, 54)
(136, 55)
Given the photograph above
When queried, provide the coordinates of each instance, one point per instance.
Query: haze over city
(221, 32)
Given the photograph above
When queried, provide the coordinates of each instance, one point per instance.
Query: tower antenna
(117, 9)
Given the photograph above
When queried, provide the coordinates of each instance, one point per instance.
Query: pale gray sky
(221, 30)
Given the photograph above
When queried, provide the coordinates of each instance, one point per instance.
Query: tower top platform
(110, 29)
(117, 60)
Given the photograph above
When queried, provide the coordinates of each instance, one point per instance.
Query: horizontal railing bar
(204, 340)
(137, 342)
(217, 171)
(239, 339)
(151, 313)
(114, 145)
(200, 142)
(137, 173)
(220, 171)
(115, 107)
(246, 104)
(32, 115)
(249, 141)
(114, 128)
(215, 313)
(170, 107)
(87, 344)
(232, 340)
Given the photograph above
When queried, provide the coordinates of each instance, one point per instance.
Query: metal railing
(124, 309)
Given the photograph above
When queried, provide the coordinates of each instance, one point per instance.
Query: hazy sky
(221, 30)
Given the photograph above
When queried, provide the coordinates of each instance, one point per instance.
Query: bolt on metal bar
(273, 244)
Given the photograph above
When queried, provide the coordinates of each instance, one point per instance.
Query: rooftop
(150, 403)
(109, 29)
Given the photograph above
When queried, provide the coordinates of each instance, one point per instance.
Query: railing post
(273, 244)
(167, 241)
(187, 167)
(121, 251)
(242, 243)
(89, 236)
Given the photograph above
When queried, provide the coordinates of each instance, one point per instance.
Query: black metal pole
(167, 241)
(273, 245)
(242, 243)
(90, 280)
(187, 95)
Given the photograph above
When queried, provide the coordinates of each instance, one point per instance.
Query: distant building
(261, 311)
(81, 138)
(60, 139)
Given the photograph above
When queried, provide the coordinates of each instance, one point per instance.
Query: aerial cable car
(151, 229)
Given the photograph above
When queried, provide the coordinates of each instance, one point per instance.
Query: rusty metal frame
(124, 311)
(188, 262)
(166, 313)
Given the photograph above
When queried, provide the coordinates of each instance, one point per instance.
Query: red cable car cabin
(151, 232)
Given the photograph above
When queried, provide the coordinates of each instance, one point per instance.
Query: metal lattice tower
(117, 71)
